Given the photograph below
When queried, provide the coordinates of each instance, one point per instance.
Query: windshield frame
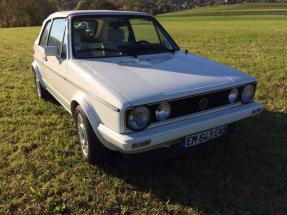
(148, 17)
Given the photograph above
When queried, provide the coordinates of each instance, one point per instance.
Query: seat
(82, 40)
(115, 37)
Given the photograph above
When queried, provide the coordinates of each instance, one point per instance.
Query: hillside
(33, 12)
(235, 9)
(153, 6)
(167, 6)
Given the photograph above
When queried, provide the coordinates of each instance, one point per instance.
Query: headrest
(116, 35)
(118, 24)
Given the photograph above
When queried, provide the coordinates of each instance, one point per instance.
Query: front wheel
(92, 149)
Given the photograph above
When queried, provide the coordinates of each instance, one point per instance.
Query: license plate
(204, 136)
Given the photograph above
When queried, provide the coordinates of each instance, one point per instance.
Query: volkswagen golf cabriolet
(129, 86)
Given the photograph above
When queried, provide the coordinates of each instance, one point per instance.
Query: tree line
(25, 12)
(14, 13)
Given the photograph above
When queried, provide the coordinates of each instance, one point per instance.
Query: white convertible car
(130, 88)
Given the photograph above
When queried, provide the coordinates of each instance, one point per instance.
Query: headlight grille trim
(191, 105)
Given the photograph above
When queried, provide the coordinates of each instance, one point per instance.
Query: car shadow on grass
(245, 175)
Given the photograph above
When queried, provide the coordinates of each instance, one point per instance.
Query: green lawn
(234, 9)
(41, 170)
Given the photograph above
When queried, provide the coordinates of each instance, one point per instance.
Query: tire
(92, 149)
(41, 91)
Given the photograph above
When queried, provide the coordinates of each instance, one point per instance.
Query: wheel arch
(91, 114)
(38, 72)
(82, 100)
(74, 105)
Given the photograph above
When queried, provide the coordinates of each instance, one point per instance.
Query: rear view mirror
(51, 51)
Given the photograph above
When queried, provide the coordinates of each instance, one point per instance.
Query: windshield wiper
(137, 50)
(101, 49)
(108, 49)
(169, 50)
(124, 53)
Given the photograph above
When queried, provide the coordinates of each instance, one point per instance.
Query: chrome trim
(190, 96)
(176, 119)
(185, 97)
(197, 113)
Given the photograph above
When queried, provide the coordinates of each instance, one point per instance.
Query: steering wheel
(143, 42)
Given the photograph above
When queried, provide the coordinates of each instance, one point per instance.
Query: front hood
(152, 78)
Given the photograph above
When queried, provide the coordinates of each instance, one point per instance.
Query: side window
(45, 33)
(144, 30)
(57, 34)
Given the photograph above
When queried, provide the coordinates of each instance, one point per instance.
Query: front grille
(190, 105)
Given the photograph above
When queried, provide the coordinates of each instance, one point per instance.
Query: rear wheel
(92, 149)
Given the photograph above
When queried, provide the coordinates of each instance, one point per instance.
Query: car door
(55, 67)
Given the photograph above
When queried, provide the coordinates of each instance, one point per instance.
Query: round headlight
(247, 93)
(163, 111)
(138, 118)
(233, 95)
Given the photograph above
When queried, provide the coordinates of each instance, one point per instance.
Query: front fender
(90, 112)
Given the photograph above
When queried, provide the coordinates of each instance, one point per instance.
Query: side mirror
(51, 51)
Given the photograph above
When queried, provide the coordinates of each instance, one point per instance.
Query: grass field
(41, 170)
(234, 9)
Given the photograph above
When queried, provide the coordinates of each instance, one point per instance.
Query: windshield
(114, 36)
